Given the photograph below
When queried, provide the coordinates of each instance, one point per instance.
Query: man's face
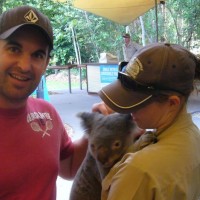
(126, 40)
(24, 57)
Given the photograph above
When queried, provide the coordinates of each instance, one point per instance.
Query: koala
(109, 138)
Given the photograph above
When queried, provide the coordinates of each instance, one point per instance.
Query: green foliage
(178, 22)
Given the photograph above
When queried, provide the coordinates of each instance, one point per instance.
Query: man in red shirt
(34, 146)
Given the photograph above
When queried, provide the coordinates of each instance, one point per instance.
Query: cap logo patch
(31, 17)
(134, 67)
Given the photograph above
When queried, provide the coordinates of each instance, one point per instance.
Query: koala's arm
(69, 166)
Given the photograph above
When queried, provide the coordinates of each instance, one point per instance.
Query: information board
(100, 75)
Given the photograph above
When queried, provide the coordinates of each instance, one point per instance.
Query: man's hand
(102, 108)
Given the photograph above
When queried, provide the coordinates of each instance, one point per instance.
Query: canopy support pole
(156, 12)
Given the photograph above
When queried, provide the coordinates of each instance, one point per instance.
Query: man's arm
(137, 46)
(69, 166)
(124, 53)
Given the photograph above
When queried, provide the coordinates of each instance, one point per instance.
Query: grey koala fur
(109, 138)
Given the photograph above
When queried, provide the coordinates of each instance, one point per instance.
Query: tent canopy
(119, 11)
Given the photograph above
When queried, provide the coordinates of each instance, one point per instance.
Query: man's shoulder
(136, 45)
(39, 103)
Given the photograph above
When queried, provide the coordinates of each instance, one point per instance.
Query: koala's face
(109, 136)
(107, 151)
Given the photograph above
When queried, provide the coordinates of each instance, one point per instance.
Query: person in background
(34, 145)
(129, 47)
(155, 88)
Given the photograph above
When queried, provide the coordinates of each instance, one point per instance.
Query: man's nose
(25, 62)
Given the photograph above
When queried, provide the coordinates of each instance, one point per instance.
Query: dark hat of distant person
(15, 18)
(126, 35)
(155, 69)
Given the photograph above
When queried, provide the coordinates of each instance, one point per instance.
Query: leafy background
(178, 22)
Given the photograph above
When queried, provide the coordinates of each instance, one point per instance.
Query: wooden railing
(68, 68)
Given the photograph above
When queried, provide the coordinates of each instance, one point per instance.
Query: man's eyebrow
(12, 42)
(41, 51)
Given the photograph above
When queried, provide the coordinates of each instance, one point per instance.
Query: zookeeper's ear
(174, 100)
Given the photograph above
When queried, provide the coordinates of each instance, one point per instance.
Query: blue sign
(108, 73)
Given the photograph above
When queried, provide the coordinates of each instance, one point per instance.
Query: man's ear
(47, 63)
(174, 100)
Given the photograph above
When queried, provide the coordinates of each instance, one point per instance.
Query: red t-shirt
(33, 140)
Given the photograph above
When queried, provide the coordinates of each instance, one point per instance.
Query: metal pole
(40, 89)
(156, 10)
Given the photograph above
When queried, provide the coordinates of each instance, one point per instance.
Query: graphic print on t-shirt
(40, 122)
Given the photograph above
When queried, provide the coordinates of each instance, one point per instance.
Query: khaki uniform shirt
(129, 50)
(166, 170)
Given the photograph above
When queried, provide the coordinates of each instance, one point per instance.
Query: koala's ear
(87, 120)
(128, 117)
(129, 120)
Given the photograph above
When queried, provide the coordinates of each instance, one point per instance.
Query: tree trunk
(75, 46)
(1, 6)
(143, 31)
